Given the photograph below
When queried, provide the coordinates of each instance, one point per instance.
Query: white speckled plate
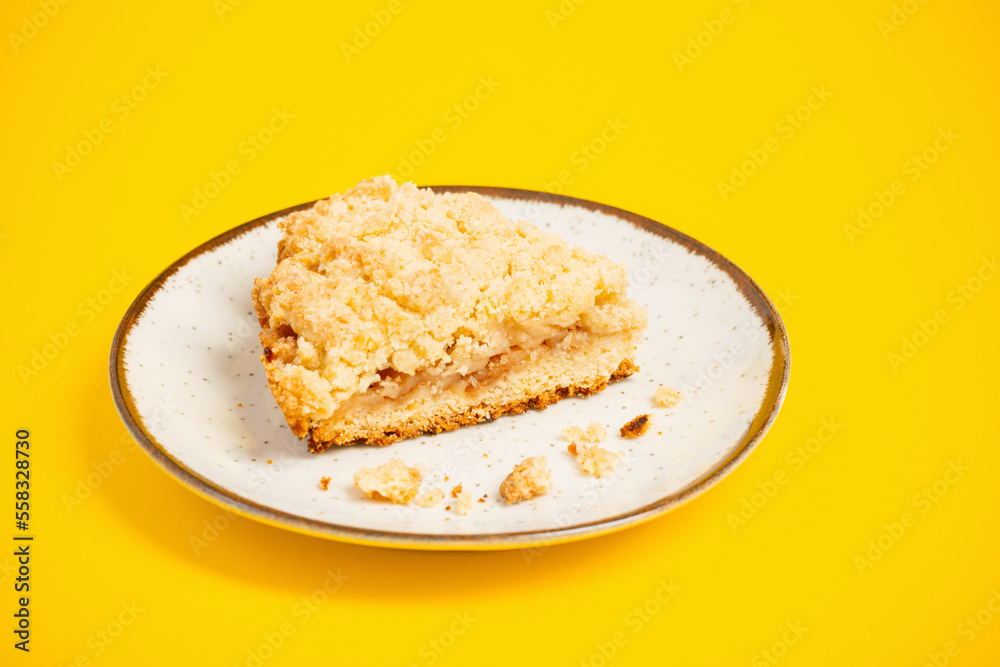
(188, 383)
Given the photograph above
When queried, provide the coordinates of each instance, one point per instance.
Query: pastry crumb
(457, 490)
(463, 502)
(431, 498)
(393, 481)
(636, 427)
(324, 483)
(595, 460)
(531, 477)
(667, 397)
(595, 432)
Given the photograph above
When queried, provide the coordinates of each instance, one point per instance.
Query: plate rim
(763, 419)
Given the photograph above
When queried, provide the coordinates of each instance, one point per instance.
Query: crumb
(531, 477)
(595, 460)
(447, 507)
(464, 503)
(430, 498)
(457, 490)
(269, 462)
(485, 455)
(324, 483)
(667, 397)
(482, 500)
(239, 405)
(636, 427)
(595, 432)
(393, 481)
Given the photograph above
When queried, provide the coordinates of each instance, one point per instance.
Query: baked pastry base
(550, 374)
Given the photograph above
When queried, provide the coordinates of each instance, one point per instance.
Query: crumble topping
(386, 280)
(431, 498)
(595, 432)
(324, 483)
(595, 460)
(393, 481)
(667, 397)
(463, 502)
(638, 426)
(531, 477)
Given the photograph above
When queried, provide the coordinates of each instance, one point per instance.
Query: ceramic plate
(188, 383)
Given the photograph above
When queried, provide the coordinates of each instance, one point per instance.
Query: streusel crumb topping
(667, 397)
(387, 280)
(594, 459)
(531, 477)
(393, 481)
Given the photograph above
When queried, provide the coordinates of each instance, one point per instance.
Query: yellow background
(562, 72)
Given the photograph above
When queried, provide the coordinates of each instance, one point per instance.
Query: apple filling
(462, 377)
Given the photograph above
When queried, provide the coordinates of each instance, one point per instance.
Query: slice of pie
(394, 311)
